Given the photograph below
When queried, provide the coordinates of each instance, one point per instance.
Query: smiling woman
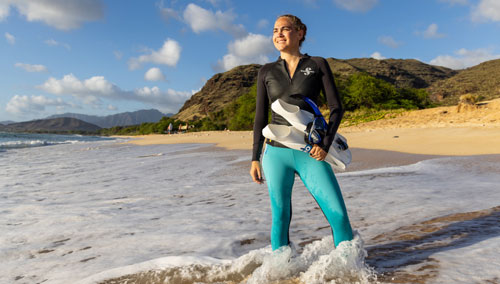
(279, 80)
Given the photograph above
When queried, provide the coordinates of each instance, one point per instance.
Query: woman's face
(285, 36)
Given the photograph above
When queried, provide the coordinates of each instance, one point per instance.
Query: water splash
(319, 262)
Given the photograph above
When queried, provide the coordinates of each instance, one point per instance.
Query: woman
(295, 75)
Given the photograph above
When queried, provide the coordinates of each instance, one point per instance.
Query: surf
(315, 263)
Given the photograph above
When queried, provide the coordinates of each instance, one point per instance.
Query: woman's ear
(301, 34)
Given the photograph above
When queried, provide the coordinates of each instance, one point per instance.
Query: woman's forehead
(283, 22)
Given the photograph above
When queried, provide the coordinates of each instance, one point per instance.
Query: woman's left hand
(318, 153)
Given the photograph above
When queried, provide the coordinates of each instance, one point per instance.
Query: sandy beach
(436, 131)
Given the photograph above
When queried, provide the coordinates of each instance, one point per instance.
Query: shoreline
(440, 141)
(370, 148)
(449, 131)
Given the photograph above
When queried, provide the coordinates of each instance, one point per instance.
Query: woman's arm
(261, 115)
(261, 118)
(333, 101)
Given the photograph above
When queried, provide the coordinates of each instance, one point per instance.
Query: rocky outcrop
(444, 85)
(482, 80)
(221, 89)
(403, 73)
(224, 88)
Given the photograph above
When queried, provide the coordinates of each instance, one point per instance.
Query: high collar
(303, 56)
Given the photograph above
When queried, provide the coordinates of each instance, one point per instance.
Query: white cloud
(486, 10)
(389, 41)
(52, 42)
(4, 10)
(112, 107)
(91, 92)
(20, 105)
(154, 74)
(254, 48)
(356, 5)
(155, 95)
(464, 58)
(10, 38)
(31, 67)
(377, 55)
(169, 54)
(200, 20)
(251, 45)
(431, 32)
(61, 14)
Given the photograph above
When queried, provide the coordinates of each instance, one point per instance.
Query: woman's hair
(297, 23)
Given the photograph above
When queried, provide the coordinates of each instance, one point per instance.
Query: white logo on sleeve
(307, 71)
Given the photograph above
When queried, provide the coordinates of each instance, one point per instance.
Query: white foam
(13, 141)
(473, 263)
(72, 211)
(318, 263)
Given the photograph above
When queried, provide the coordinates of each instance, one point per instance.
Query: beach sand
(449, 141)
(436, 131)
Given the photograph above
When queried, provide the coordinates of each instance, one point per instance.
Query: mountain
(226, 87)
(120, 119)
(220, 90)
(7, 122)
(64, 124)
(403, 73)
(482, 80)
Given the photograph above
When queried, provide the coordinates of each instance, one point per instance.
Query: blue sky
(103, 57)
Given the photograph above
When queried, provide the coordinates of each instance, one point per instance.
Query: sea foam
(71, 211)
(318, 263)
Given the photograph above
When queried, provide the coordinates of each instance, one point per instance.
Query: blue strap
(313, 105)
(315, 108)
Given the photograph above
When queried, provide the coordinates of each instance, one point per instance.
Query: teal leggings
(280, 166)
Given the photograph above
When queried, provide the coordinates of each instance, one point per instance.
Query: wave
(33, 143)
(319, 262)
(24, 140)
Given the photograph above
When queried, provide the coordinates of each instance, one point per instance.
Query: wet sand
(371, 148)
(422, 240)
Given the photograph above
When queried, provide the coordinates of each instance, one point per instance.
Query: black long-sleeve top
(312, 76)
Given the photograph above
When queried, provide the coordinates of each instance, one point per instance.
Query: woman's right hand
(256, 172)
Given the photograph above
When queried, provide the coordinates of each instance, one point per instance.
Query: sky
(102, 57)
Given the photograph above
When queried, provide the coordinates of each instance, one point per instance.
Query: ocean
(93, 210)
(9, 140)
